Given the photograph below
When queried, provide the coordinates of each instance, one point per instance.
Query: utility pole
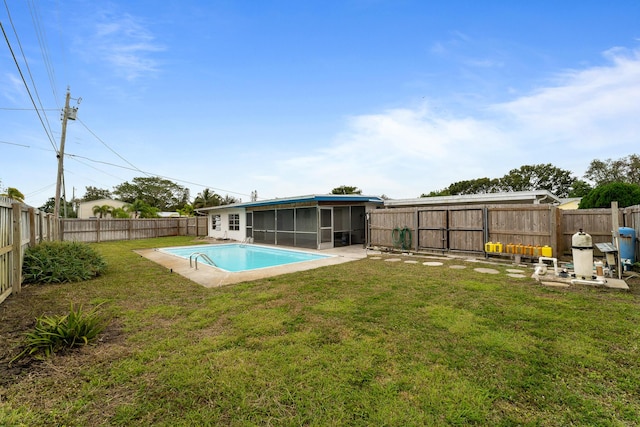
(67, 114)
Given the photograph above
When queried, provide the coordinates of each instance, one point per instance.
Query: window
(216, 223)
(234, 221)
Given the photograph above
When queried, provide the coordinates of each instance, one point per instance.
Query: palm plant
(102, 211)
(14, 193)
(207, 198)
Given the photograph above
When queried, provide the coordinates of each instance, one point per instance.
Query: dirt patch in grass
(18, 316)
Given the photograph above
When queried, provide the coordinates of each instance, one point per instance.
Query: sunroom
(314, 222)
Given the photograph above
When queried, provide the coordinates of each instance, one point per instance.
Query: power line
(27, 87)
(40, 34)
(110, 149)
(77, 156)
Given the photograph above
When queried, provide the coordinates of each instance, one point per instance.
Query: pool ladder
(194, 258)
(246, 241)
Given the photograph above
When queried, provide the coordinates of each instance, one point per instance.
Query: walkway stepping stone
(486, 270)
(411, 262)
(432, 263)
(514, 270)
(375, 257)
(516, 275)
(458, 267)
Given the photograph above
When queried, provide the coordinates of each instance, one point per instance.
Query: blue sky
(299, 97)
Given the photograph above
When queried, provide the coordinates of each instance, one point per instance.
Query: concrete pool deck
(212, 277)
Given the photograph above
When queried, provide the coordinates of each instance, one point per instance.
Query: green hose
(401, 238)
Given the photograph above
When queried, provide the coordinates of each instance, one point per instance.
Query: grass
(362, 343)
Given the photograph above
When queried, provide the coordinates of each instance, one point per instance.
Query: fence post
(32, 227)
(17, 247)
(555, 229)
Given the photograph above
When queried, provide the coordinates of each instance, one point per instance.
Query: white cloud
(587, 114)
(124, 44)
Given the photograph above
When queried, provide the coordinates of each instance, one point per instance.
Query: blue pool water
(236, 257)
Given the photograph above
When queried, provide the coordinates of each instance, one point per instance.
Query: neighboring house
(568, 204)
(85, 209)
(515, 197)
(315, 221)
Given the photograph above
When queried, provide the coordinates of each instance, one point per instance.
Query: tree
(141, 209)
(579, 188)
(625, 169)
(206, 199)
(102, 211)
(473, 186)
(119, 213)
(65, 206)
(14, 193)
(155, 192)
(345, 189)
(229, 200)
(624, 193)
(95, 193)
(538, 177)
(186, 211)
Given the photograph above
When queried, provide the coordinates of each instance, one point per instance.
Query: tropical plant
(14, 193)
(346, 189)
(102, 211)
(54, 333)
(60, 262)
(207, 198)
(119, 213)
(141, 209)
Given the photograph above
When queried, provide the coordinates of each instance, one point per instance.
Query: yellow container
(498, 247)
(489, 247)
(547, 251)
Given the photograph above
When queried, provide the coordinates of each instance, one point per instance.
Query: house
(515, 197)
(571, 203)
(85, 209)
(314, 221)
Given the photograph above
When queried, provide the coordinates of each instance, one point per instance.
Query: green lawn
(367, 343)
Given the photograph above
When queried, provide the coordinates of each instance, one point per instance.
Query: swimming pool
(236, 257)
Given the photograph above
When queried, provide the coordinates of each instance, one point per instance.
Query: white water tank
(582, 251)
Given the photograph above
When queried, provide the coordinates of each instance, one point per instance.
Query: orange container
(537, 250)
(528, 250)
(519, 249)
(510, 248)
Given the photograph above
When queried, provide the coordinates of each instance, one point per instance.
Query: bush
(61, 262)
(54, 333)
(601, 197)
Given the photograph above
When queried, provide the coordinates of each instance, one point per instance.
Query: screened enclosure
(299, 227)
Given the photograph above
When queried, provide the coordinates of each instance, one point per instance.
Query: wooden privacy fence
(105, 230)
(466, 229)
(20, 226)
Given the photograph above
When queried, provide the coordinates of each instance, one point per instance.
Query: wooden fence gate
(451, 230)
(460, 229)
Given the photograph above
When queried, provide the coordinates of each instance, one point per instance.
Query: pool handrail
(194, 256)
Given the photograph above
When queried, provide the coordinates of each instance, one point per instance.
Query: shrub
(61, 262)
(54, 333)
(601, 197)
